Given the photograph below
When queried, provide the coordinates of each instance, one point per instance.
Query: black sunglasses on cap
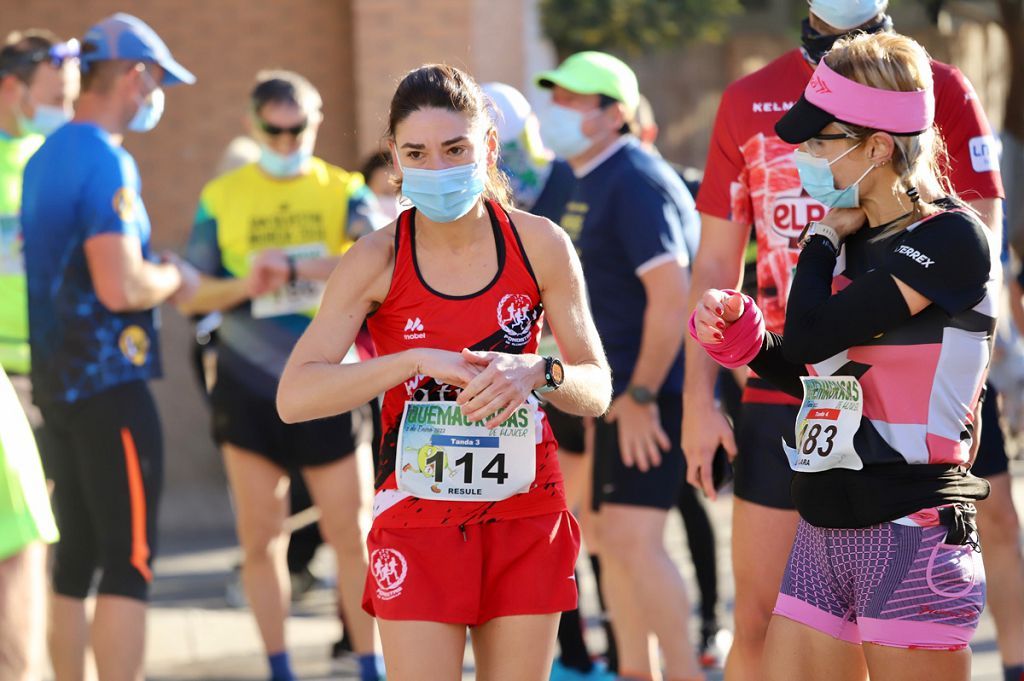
(274, 130)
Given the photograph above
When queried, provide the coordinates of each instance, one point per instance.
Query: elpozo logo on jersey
(134, 344)
(790, 214)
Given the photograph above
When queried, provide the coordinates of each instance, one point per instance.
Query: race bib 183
(829, 418)
(443, 456)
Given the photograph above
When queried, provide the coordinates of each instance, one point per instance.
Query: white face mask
(150, 110)
(45, 121)
(561, 128)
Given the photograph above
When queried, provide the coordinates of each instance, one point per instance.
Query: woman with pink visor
(887, 341)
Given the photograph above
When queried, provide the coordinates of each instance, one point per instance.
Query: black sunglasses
(274, 130)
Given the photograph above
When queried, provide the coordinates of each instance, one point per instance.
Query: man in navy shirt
(627, 217)
(93, 287)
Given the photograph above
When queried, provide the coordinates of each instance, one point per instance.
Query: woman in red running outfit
(470, 525)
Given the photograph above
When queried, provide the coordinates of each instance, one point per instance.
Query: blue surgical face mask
(284, 165)
(149, 113)
(561, 128)
(445, 195)
(45, 121)
(820, 184)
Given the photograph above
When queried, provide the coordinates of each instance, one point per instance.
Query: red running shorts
(469, 575)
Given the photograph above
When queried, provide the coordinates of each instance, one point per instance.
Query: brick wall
(483, 37)
(224, 42)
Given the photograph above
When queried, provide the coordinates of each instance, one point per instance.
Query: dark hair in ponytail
(439, 86)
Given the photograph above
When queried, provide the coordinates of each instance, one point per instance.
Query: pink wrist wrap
(742, 339)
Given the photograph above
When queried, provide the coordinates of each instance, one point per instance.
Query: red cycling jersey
(505, 316)
(750, 176)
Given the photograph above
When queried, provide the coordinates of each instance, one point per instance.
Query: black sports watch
(554, 374)
(641, 395)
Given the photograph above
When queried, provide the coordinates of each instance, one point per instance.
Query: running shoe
(599, 672)
(714, 648)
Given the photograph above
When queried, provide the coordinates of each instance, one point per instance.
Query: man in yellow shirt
(266, 237)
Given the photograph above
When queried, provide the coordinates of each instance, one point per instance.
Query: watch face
(641, 394)
(557, 372)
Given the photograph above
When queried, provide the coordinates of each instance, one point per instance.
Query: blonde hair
(889, 61)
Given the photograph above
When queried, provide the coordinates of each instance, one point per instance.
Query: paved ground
(196, 634)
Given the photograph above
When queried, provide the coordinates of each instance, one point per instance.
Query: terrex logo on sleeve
(915, 255)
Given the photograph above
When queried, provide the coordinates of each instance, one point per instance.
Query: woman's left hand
(501, 387)
(845, 221)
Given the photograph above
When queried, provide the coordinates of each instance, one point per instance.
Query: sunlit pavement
(195, 634)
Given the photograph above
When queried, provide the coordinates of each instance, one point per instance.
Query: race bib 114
(443, 456)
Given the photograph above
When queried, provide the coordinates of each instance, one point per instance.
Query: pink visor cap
(830, 97)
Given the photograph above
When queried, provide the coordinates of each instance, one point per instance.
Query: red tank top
(505, 316)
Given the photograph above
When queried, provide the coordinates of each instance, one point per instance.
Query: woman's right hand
(716, 312)
(445, 366)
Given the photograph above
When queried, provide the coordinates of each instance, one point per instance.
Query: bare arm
(505, 380)
(991, 213)
(587, 387)
(314, 383)
(123, 279)
(667, 287)
(216, 293)
(719, 264)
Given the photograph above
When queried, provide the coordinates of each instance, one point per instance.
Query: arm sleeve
(724, 168)
(973, 164)
(203, 249)
(819, 324)
(771, 365)
(648, 224)
(111, 203)
(946, 260)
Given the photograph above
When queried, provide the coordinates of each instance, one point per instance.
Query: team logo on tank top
(515, 317)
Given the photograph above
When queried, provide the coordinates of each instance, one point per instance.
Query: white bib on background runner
(442, 456)
(295, 297)
(829, 418)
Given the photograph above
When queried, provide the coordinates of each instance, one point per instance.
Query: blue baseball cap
(122, 36)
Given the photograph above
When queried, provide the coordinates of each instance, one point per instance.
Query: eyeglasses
(833, 136)
(274, 130)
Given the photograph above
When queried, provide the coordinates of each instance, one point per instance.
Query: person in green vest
(26, 526)
(38, 83)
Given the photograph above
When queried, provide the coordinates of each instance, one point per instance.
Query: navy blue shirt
(556, 193)
(77, 186)
(628, 215)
